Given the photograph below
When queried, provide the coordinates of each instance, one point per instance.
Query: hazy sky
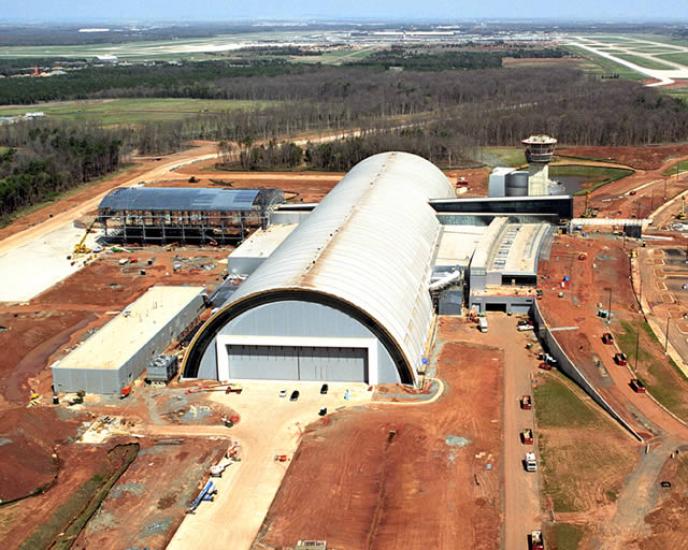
(228, 10)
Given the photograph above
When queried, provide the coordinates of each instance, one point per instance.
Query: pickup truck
(621, 359)
(530, 462)
(608, 338)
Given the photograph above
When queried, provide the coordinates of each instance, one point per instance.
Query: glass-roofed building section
(186, 215)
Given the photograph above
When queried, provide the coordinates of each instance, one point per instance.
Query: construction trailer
(185, 215)
(114, 356)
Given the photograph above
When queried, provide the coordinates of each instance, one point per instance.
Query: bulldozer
(80, 247)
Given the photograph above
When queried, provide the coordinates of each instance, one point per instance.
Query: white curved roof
(369, 242)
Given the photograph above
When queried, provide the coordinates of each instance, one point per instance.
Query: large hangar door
(336, 364)
(263, 362)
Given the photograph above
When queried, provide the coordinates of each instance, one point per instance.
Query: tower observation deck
(539, 153)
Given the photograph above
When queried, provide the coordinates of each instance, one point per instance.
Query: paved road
(521, 489)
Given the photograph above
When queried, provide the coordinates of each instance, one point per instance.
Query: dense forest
(487, 107)
(442, 115)
(42, 161)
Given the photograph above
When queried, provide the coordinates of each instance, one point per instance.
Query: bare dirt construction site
(402, 475)
(387, 474)
(599, 269)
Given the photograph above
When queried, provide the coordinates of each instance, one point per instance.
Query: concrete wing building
(115, 355)
(345, 296)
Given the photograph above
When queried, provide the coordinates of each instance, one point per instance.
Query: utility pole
(666, 336)
(609, 309)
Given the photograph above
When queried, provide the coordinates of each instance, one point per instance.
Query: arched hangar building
(345, 296)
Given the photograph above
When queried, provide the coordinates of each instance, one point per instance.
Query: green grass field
(501, 156)
(602, 66)
(579, 446)
(112, 112)
(679, 166)
(336, 57)
(660, 382)
(678, 57)
(644, 62)
(567, 535)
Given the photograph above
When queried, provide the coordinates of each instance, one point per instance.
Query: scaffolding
(185, 215)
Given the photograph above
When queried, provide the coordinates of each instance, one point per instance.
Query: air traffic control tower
(539, 153)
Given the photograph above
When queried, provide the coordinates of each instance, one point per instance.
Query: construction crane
(80, 247)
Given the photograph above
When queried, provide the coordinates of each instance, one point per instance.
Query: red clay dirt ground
(385, 476)
(646, 157)
(667, 520)
(145, 508)
(605, 266)
(38, 333)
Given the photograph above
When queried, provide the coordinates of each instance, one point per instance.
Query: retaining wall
(569, 368)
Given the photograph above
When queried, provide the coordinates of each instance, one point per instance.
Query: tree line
(42, 161)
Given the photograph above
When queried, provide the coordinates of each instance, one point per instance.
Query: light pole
(609, 308)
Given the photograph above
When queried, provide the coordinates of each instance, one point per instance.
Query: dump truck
(530, 462)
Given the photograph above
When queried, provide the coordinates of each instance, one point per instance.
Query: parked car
(324, 389)
(294, 395)
(526, 402)
(527, 437)
(621, 359)
(545, 366)
(530, 462)
(535, 541)
(524, 324)
(608, 338)
(638, 386)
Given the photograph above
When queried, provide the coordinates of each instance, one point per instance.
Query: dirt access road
(269, 426)
(46, 246)
(404, 475)
(605, 266)
(521, 489)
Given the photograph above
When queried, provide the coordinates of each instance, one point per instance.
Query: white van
(482, 324)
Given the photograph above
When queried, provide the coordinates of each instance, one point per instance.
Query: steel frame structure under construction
(185, 215)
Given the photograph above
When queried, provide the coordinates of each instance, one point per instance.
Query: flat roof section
(516, 251)
(128, 332)
(457, 244)
(263, 242)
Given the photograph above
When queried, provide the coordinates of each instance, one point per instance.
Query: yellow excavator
(80, 247)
